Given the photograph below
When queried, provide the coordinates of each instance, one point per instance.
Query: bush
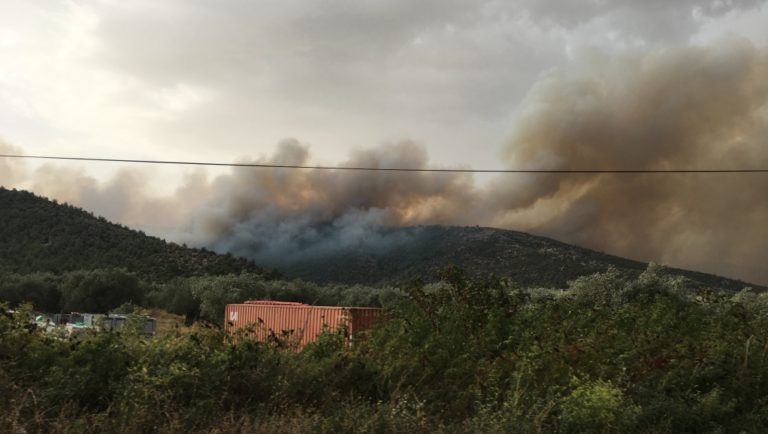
(646, 355)
(597, 406)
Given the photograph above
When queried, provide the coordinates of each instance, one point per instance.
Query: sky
(471, 84)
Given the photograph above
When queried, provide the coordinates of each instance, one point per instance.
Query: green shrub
(611, 355)
(597, 406)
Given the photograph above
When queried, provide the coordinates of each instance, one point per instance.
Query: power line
(379, 169)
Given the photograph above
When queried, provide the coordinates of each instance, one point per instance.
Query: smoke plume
(279, 215)
(126, 197)
(675, 108)
(681, 108)
(11, 172)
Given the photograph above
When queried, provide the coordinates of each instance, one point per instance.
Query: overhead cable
(383, 169)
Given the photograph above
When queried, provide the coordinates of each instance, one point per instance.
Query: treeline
(609, 354)
(196, 297)
(41, 235)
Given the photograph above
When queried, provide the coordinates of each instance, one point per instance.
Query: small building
(86, 319)
(115, 322)
(296, 323)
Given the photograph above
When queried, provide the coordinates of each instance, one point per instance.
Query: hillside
(528, 260)
(37, 234)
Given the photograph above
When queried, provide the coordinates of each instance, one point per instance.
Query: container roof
(275, 303)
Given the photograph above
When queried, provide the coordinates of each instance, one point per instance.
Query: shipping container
(290, 323)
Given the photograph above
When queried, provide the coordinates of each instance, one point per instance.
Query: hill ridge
(528, 260)
(41, 235)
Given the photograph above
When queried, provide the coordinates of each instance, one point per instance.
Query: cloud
(167, 78)
(185, 74)
(650, 20)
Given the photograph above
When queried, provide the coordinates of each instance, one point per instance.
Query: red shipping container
(295, 323)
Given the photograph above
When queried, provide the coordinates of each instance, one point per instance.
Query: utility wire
(379, 169)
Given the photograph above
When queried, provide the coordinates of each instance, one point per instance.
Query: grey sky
(220, 80)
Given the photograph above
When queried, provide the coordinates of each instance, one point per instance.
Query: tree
(100, 290)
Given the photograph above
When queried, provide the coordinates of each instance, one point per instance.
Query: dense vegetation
(196, 297)
(623, 350)
(416, 252)
(610, 354)
(62, 259)
(38, 235)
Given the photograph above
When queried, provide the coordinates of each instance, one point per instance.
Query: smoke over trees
(688, 107)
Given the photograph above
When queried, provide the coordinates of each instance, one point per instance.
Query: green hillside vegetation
(610, 354)
(39, 235)
(527, 260)
(60, 258)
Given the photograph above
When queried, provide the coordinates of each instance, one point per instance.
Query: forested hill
(528, 260)
(37, 234)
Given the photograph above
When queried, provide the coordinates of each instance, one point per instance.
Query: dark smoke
(278, 215)
(686, 108)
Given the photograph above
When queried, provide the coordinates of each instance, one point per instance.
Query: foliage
(127, 308)
(611, 354)
(205, 296)
(39, 235)
(196, 297)
(421, 252)
(597, 405)
(100, 290)
(43, 290)
(83, 291)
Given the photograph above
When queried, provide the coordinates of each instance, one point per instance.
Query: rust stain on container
(296, 323)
